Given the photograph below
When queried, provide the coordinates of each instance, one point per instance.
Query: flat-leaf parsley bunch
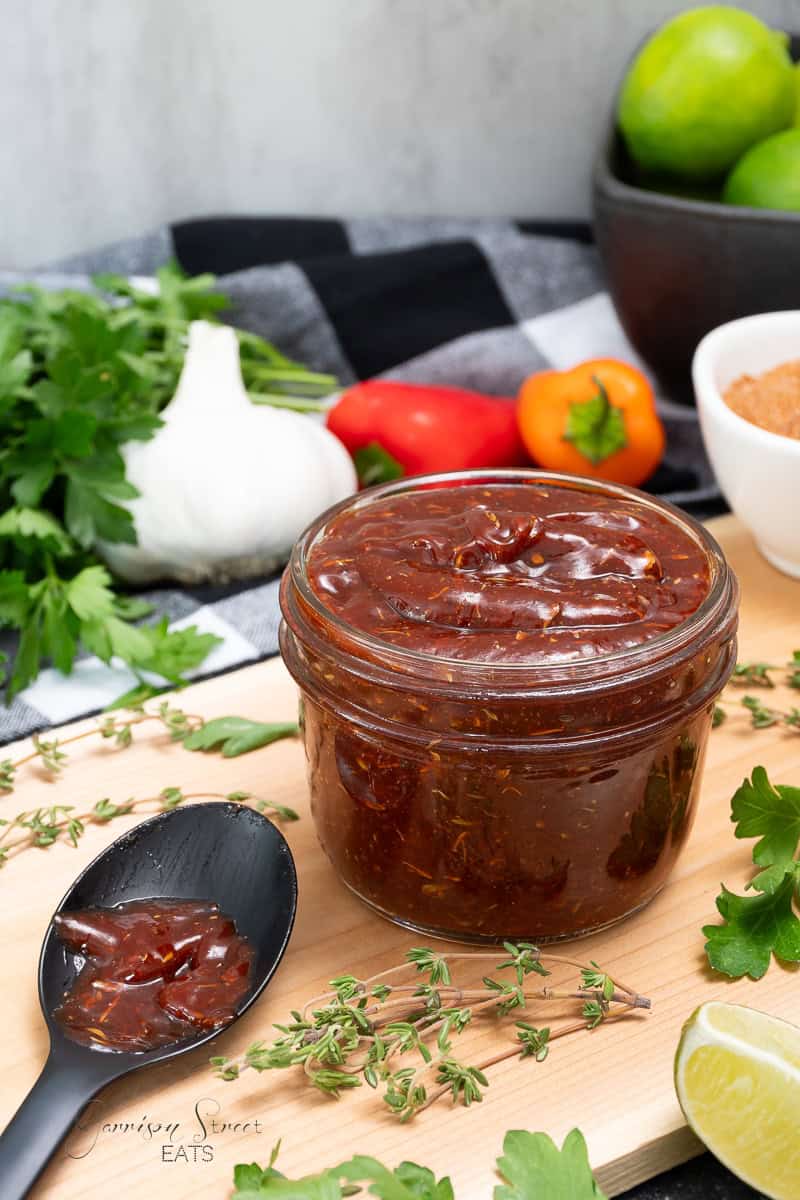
(81, 374)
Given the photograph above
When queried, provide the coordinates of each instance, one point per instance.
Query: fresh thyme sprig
(762, 716)
(52, 756)
(754, 674)
(793, 677)
(397, 1032)
(232, 735)
(42, 827)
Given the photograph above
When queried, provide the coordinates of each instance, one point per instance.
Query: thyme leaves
(395, 1033)
(760, 675)
(44, 826)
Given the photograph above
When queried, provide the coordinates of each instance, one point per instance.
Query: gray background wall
(120, 114)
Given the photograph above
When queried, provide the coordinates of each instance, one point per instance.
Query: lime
(768, 176)
(797, 94)
(704, 88)
(737, 1075)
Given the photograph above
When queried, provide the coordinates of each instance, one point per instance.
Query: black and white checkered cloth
(474, 304)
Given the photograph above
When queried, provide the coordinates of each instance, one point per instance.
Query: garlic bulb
(226, 485)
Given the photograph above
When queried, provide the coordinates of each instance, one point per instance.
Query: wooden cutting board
(615, 1084)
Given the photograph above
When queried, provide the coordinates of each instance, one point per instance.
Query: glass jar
(484, 801)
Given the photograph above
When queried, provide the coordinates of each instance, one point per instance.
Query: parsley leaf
(771, 813)
(27, 526)
(250, 1176)
(236, 735)
(89, 594)
(407, 1182)
(532, 1166)
(55, 615)
(252, 1183)
(173, 652)
(764, 923)
(91, 517)
(136, 696)
(13, 598)
(596, 427)
(158, 650)
(755, 927)
(535, 1169)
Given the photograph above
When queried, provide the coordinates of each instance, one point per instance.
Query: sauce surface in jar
(507, 687)
(506, 574)
(156, 971)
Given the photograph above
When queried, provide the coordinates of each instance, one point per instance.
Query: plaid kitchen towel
(473, 303)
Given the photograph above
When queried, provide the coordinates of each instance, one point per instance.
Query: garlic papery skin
(226, 486)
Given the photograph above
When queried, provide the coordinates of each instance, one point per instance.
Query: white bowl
(758, 471)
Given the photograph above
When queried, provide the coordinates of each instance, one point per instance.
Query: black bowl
(676, 268)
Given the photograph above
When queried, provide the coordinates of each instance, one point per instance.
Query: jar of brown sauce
(507, 682)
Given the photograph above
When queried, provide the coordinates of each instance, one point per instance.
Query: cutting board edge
(649, 1160)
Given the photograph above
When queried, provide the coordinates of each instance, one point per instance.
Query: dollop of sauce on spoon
(156, 972)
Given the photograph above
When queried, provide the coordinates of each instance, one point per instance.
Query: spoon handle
(41, 1122)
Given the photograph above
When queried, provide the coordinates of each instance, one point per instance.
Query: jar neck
(458, 707)
(676, 671)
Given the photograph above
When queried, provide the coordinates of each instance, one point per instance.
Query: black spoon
(222, 852)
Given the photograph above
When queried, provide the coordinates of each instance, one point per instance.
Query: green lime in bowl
(768, 175)
(703, 89)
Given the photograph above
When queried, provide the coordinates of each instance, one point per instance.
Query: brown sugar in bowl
(757, 469)
(770, 400)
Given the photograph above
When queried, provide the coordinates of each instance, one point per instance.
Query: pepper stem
(596, 427)
(605, 402)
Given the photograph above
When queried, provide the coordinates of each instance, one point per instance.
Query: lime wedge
(737, 1075)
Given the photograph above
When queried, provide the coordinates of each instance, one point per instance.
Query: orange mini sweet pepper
(598, 419)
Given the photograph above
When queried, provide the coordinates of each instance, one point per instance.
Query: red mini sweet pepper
(425, 429)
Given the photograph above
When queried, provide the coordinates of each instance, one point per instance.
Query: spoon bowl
(222, 852)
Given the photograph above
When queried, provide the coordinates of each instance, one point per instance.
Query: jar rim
(390, 655)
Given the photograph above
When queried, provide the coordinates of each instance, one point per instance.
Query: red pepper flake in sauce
(156, 972)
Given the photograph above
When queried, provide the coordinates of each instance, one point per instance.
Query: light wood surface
(615, 1084)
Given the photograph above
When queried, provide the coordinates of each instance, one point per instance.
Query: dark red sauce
(506, 693)
(508, 573)
(156, 971)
